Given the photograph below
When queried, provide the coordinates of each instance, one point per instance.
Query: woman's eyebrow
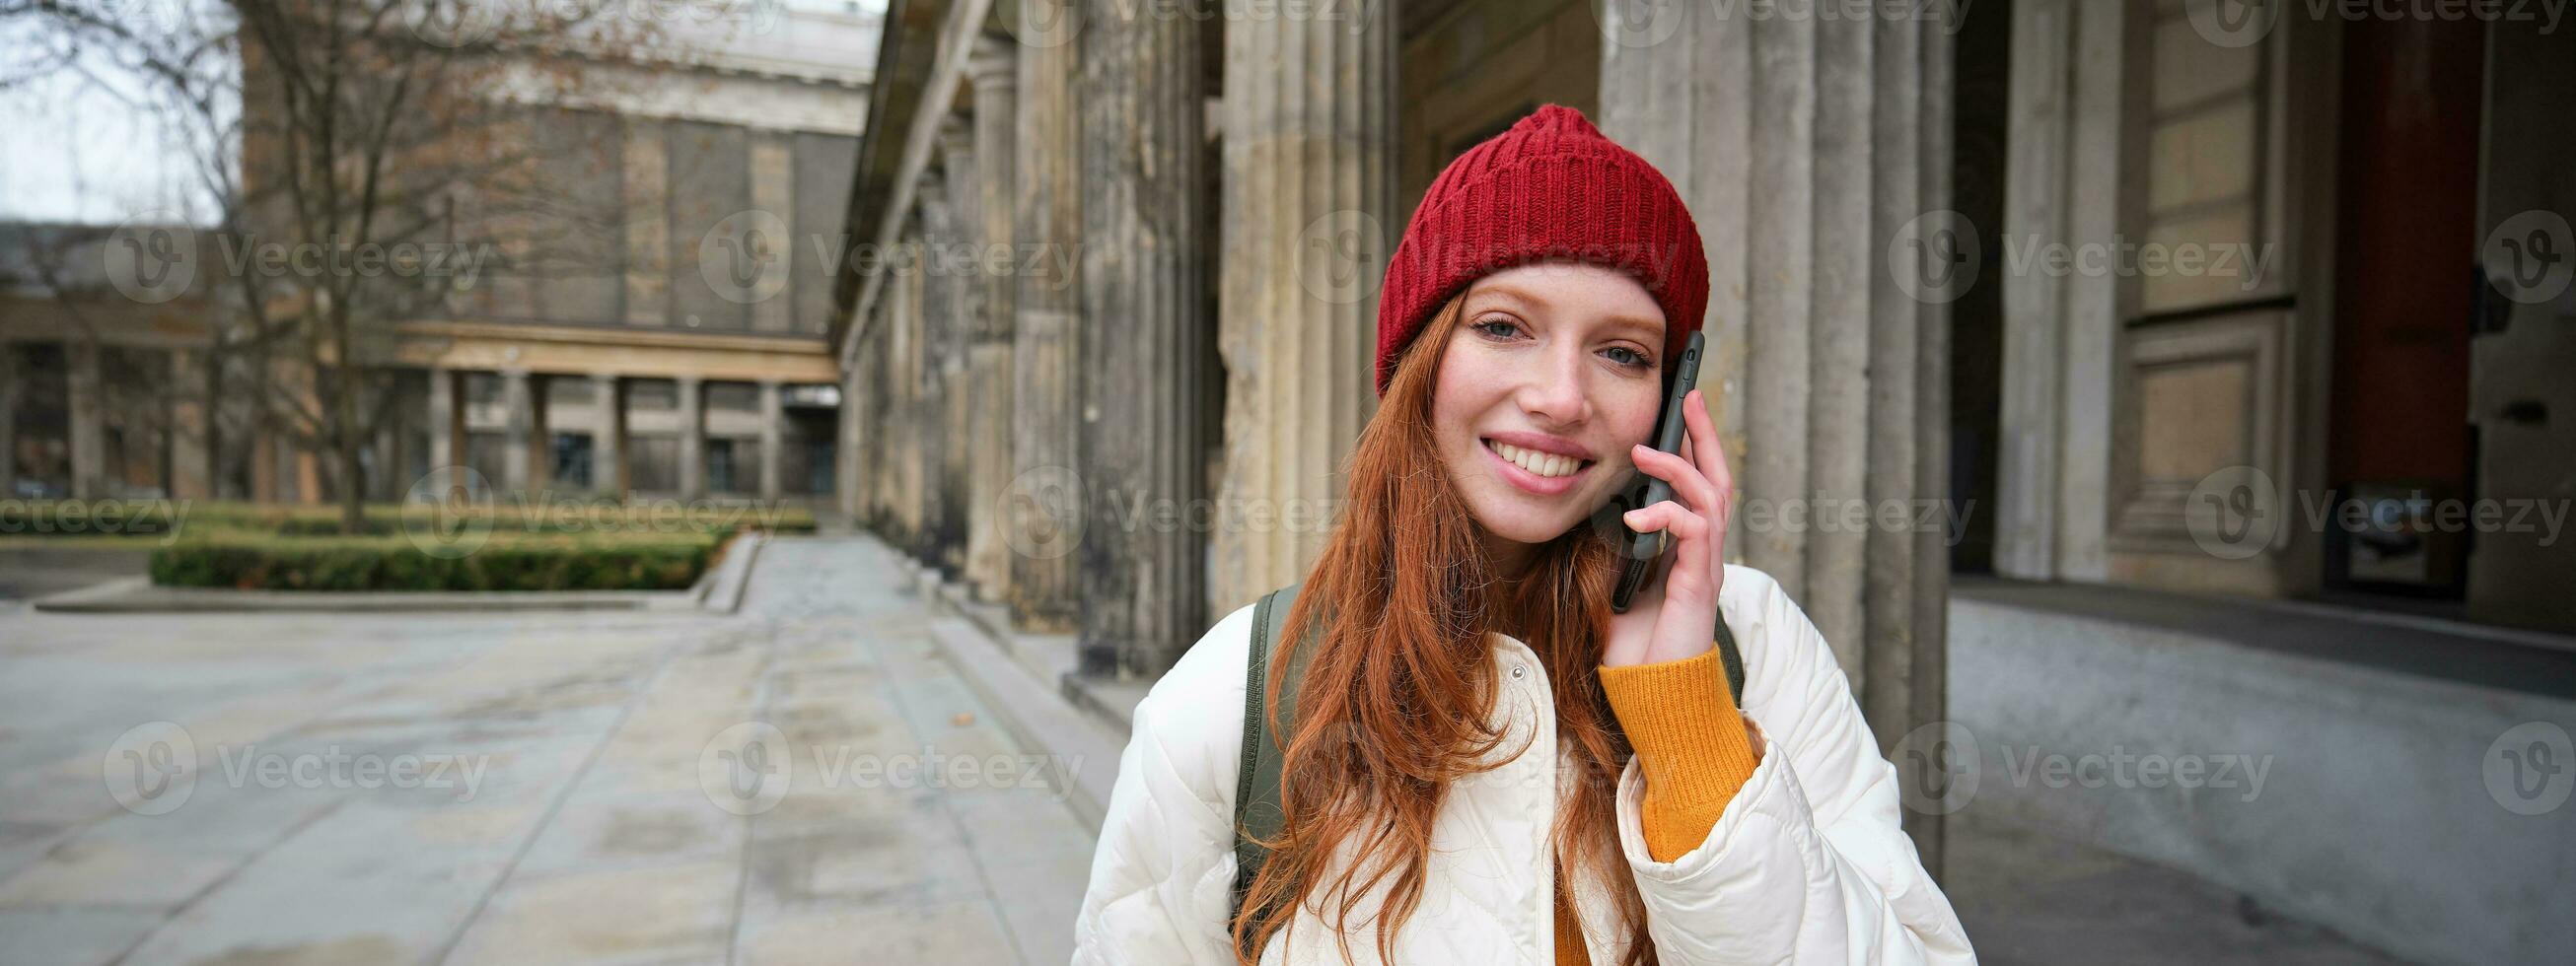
(1644, 326)
(1511, 293)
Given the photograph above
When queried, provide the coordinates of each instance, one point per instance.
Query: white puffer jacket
(1808, 864)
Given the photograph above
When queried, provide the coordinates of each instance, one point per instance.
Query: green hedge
(503, 563)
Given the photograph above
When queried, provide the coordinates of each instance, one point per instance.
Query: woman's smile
(1540, 464)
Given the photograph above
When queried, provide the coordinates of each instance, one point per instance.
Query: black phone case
(1639, 551)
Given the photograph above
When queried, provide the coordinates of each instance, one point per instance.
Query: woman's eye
(1627, 357)
(1498, 328)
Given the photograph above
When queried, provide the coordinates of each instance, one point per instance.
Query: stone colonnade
(162, 423)
(1189, 279)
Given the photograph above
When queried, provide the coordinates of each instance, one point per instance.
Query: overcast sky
(80, 145)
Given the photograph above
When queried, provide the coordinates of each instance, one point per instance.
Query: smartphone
(1639, 551)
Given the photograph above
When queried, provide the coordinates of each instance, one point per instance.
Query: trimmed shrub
(505, 563)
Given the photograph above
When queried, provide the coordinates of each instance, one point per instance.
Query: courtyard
(803, 781)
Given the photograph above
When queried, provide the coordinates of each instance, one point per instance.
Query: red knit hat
(1551, 187)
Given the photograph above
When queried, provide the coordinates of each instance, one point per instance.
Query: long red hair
(1394, 701)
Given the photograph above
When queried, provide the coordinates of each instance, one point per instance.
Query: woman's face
(1555, 371)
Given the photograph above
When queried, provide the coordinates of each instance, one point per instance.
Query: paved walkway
(803, 782)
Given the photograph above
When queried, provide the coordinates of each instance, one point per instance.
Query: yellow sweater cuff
(1691, 746)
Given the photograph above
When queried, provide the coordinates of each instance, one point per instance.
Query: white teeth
(1538, 463)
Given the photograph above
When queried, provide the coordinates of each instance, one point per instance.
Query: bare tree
(372, 163)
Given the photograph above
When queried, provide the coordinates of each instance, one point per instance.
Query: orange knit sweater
(1695, 753)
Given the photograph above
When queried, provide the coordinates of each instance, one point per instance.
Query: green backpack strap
(1257, 813)
(1732, 658)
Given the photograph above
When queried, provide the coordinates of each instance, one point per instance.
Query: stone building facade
(680, 358)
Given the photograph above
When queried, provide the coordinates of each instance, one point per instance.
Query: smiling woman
(1476, 759)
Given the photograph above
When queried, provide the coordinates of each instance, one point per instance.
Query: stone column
(773, 416)
(1309, 173)
(693, 437)
(934, 307)
(87, 401)
(955, 291)
(518, 413)
(907, 453)
(1810, 151)
(12, 387)
(1144, 428)
(1041, 505)
(608, 436)
(646, 191)
(446, 419)
(988, 352)
(541, 435)
(192, 426)
(852, 431)
(773, 178)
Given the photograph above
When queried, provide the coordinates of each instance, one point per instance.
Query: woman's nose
(1554, 392)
